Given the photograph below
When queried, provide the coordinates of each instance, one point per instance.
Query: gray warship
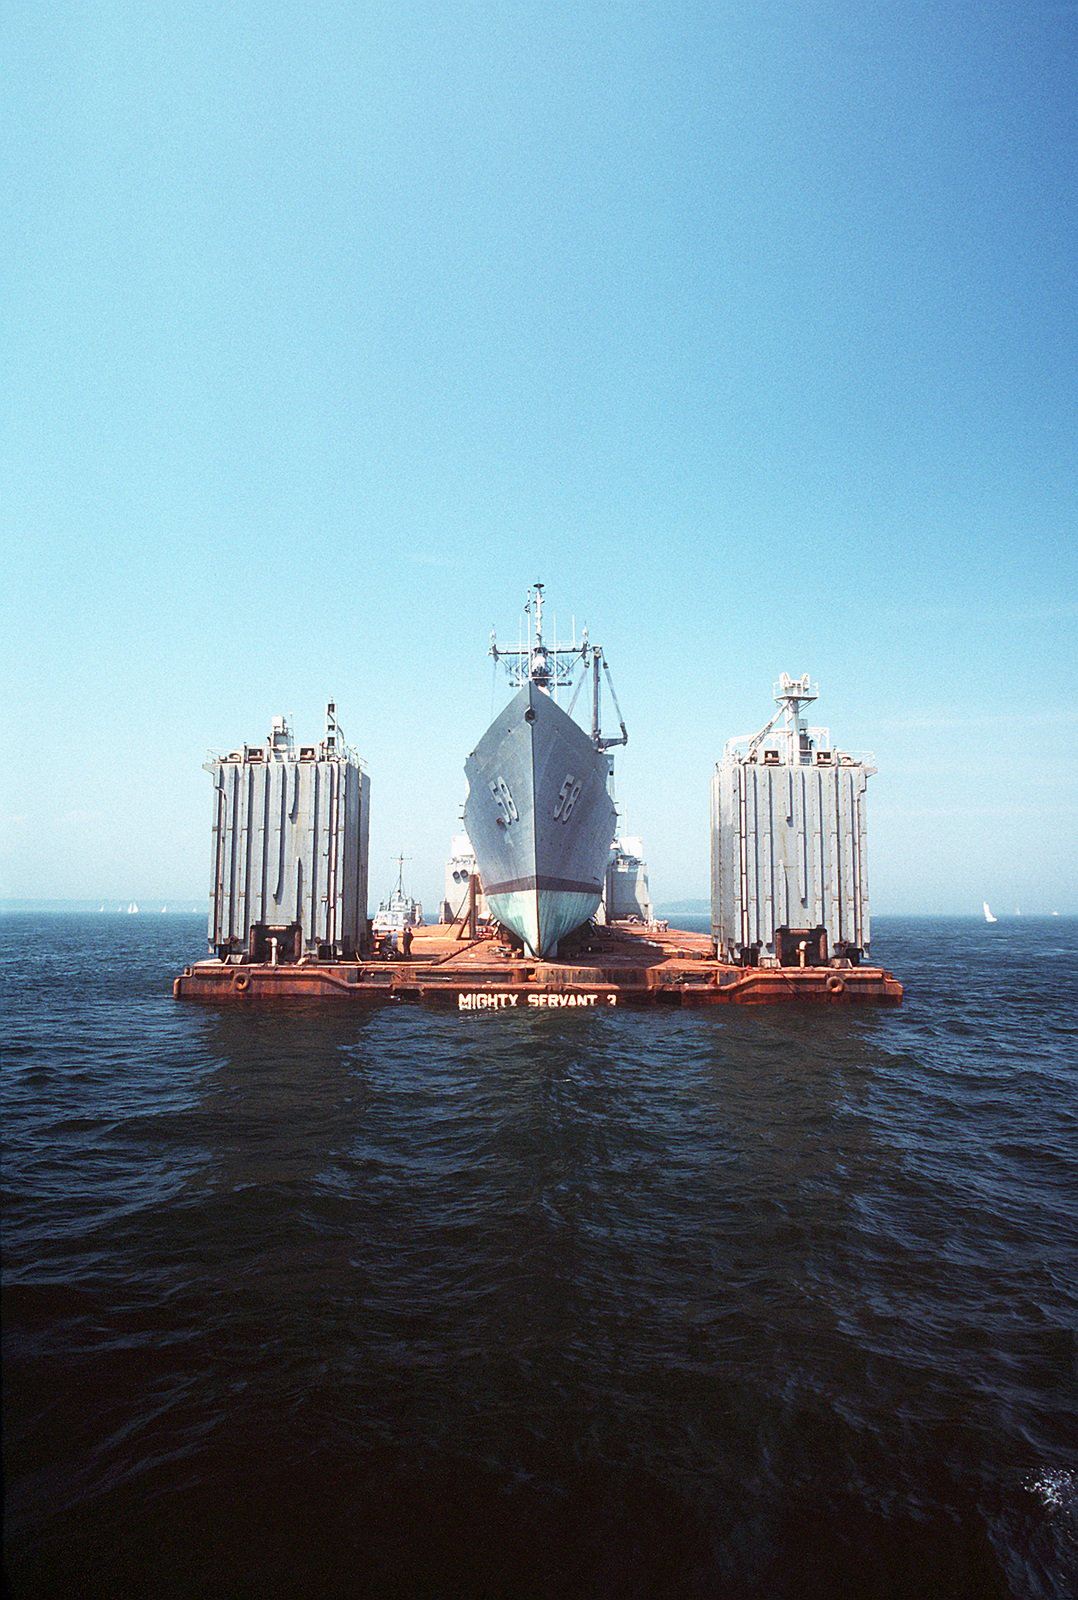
(539, 813)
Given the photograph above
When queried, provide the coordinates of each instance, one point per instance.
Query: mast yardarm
(553, 666)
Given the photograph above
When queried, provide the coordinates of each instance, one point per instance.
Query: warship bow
(539, 813)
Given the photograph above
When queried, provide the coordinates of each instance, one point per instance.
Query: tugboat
(400, 911)
(539, 813)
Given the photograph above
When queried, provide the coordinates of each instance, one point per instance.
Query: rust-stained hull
(617, 967)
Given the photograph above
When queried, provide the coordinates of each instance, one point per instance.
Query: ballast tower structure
(789, 884)
(290, 850)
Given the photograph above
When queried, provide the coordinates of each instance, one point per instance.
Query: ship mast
(400, 860)
(549, 666)
(539, 664)
(553, 666)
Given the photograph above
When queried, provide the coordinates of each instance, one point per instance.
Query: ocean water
(747, 1304)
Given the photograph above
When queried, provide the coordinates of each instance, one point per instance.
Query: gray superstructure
(460, 867)
(627, 897)
(788, 842)
(290, 848)
(398, 910)
(538, 813)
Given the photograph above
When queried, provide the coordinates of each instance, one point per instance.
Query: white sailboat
(988, 917)
(132, 909)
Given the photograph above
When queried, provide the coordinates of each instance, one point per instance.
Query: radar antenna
(549, 666)
(554, 666)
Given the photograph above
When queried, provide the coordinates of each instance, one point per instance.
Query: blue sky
(748, 328)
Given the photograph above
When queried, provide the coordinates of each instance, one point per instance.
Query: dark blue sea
(731, 1305)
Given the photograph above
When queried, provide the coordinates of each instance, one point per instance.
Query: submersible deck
(614, 966)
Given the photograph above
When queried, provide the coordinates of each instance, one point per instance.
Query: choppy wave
(753, 1304)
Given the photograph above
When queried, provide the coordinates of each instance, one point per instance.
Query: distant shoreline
(112, 907)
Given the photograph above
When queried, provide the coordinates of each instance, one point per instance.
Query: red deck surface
(619, 966)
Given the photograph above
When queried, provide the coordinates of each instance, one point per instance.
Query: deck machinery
(788, 848)
(290, 850)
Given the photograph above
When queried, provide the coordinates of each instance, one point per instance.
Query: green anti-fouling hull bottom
(542, 916)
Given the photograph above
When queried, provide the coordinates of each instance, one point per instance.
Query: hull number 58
(568, 795)
(507, 806)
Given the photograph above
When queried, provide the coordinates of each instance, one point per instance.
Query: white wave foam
(1055, 1487)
